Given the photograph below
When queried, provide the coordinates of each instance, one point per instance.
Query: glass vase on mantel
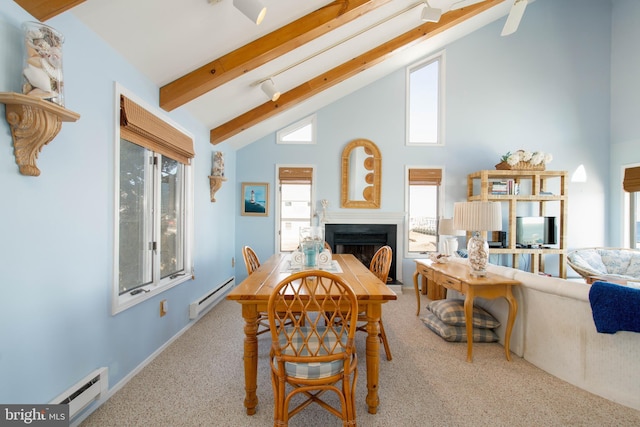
(311, 244)
(42, 64)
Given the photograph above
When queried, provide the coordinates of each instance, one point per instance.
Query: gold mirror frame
(373, 164)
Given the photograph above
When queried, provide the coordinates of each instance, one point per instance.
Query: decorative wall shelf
(34, 123)
(216, 184)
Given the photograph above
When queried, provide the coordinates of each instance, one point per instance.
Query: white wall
(56, 255)
(544, 88)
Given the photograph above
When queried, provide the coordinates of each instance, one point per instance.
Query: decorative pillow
(457, 333)
(616, 261)
(634, 267)
(451, 312)
(590, 260)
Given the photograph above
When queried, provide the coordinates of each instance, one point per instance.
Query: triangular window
(301, 132)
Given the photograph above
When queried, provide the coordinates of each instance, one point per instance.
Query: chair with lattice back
(380, 265)
(311, 350)
(252, 263)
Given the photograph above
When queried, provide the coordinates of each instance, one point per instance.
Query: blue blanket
(615, 307)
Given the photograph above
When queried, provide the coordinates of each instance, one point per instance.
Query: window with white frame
(425, 92)
(295, 193)
(153, 206)
(300, 132)
(423, 208)
(631, 185)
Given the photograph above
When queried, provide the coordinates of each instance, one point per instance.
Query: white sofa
(554, 330)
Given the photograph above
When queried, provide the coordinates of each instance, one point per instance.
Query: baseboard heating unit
(92, 387)
(204, 303)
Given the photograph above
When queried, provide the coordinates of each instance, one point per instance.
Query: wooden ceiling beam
(346, 70)
(260, 51)
(43, 10)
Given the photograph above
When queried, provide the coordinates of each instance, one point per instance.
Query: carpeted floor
(199, 381)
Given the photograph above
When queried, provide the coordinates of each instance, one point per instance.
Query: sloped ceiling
(208, 58)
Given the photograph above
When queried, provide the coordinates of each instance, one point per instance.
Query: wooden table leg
(415, 286)
(468, 314)
(513, 310)
(250, 315)
(374, 311)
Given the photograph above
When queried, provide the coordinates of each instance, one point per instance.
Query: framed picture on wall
(255, 198)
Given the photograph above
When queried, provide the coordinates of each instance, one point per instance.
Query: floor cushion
(457, 333)
(451, 312)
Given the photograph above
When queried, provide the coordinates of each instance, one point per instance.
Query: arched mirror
(361, 175)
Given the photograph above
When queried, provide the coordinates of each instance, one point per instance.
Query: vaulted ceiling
(210, 59)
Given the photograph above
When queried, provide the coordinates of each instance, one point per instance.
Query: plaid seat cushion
(457, 333)
(451, 312)
(310, 370)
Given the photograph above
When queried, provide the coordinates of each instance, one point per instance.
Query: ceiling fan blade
(515, 15)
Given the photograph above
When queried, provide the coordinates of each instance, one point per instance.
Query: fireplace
(363, 240)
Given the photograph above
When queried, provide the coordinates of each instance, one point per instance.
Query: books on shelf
(508, 187)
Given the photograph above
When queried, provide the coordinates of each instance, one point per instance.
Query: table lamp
(476, 217)
(448, 235)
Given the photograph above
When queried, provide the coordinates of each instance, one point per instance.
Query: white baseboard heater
(92, 387)
(204, 303)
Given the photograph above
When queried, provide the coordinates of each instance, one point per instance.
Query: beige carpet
(198, 381)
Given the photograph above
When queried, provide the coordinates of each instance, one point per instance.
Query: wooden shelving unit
(532, 185)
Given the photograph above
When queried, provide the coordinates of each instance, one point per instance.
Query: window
(425, 92)
(631, 184)
(153, 233)
(423, 200)
(295, 204)
(301, 132)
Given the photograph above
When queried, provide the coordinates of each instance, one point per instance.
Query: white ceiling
(166, 39)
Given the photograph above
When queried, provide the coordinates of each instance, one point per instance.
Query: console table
(457, 276)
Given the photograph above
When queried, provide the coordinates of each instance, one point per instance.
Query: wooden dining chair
(252, 262)
(380, 264)
(311, 351)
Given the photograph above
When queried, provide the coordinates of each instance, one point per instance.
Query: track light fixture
(252, 9)
(269, 88)
(430, 14)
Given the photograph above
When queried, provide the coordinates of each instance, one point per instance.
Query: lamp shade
(252, 9)
(445, 228)
(477, 216)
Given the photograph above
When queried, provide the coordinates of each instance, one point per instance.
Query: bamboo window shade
(144, 128)
(631, 182)
(295, 175)
(425, 176)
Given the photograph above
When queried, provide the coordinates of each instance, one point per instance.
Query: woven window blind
(295, 175)
(631, 182)
(425, 176)
(147, 130)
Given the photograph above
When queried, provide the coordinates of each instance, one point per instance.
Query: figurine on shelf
(218, 164)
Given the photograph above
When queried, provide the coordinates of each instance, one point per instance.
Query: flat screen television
(535, 230)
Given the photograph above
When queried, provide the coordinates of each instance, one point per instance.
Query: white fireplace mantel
(367, 217)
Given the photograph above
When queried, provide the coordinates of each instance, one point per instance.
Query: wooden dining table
(253, 294)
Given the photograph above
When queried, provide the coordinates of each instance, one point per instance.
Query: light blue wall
(625, 105)
(56, 255)
(546, 87)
